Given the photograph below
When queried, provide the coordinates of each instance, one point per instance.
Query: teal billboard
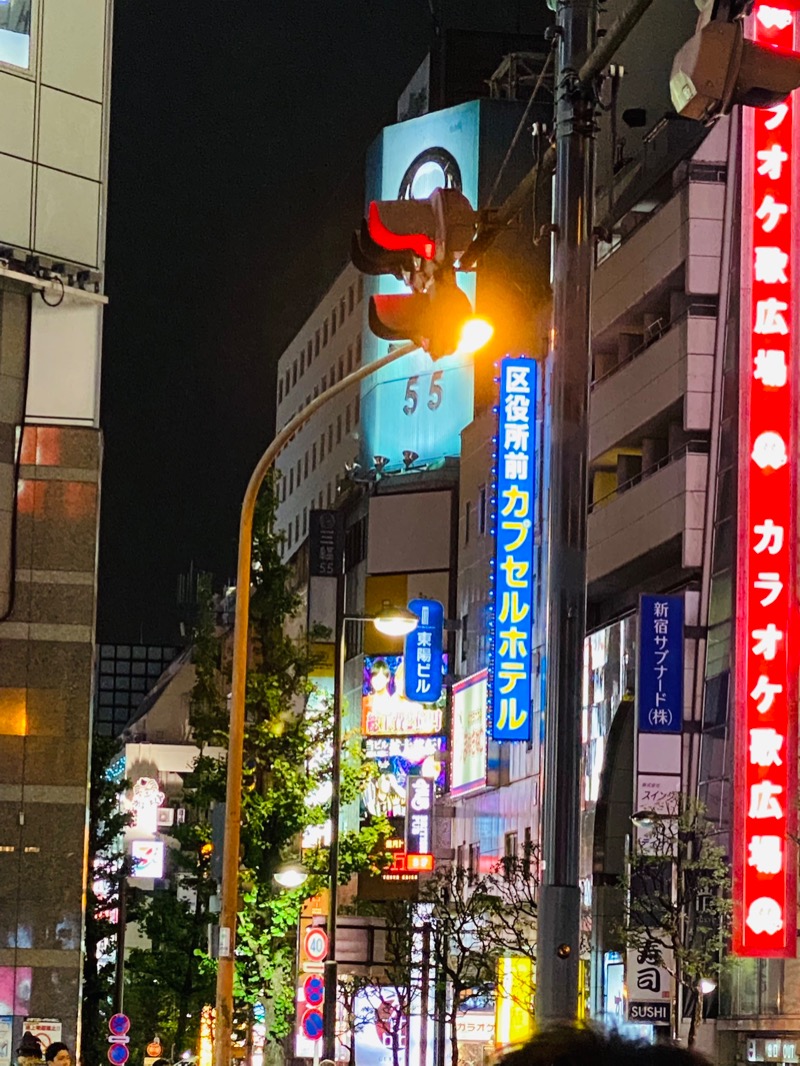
(415, 404)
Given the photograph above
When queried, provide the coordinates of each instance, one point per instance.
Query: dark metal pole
(331, 968)
(122, 922)
(568, 378)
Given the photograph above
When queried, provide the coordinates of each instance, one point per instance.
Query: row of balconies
(654, 307)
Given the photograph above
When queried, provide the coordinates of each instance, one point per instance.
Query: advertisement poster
(385, 794)
(386, 711)
(380, 1025)
(468, 744)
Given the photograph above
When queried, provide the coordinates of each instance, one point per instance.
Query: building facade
(54, 99)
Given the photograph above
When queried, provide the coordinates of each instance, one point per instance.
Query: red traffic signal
(718, 67)
(403, 237)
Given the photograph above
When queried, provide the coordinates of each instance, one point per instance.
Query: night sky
(238, 131)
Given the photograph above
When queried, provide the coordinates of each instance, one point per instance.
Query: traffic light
(718, 67)
(420, 242)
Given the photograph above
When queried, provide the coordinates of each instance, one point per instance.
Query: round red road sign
(311, 1023)
(314, 990)
(315, 943)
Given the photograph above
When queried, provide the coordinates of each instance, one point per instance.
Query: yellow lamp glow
(475, 333)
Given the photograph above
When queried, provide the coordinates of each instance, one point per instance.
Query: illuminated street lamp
(394, 621)
(291, 875)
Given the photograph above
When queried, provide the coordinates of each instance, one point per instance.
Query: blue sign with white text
(659, 689)
(423, 653)
(511, 686)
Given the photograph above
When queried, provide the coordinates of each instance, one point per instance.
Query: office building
(54, 98)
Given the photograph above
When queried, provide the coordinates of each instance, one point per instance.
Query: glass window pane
(15, 33)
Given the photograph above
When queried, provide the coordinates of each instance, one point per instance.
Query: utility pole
(567, 384)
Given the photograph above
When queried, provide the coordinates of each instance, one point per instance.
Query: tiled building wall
(46, 650)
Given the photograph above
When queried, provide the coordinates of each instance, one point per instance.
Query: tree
(678, 900)
(108, 867)
(475, 921)
(285, 734)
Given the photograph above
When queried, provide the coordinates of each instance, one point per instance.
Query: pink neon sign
(766, 662)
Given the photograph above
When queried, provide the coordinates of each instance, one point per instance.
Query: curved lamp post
(475, 334)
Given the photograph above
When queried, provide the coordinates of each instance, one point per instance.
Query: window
(341, 311)
(289, 538)
(333, 322)
(474, 866)
(357, 411)
(314, 456)
(286, 383)
(305, 520)
(302, 362)
(464, 637)
(316, 344)
(330, 495)
(347, 419)
(322, 447)
(316, 391)
(341, 367)
(324, 384)
(338, 429)
(467, 521)
(358, 350)
(319, 502)
(509, 855)
(330, 437)
(360, 288)
(280, 391)
(527, 853)
(15, 33)
(351, 300)
(482, 509)
(349, 358)
(308, 354)
(298, 472)
(305, 466)
(324, 333)
(291, 480)
(297, 527)
(294, 372)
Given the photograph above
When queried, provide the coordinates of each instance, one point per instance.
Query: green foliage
(288, 727)
(107, 867)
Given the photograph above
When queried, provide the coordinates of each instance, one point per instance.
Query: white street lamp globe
(291, 875)
(395, 621)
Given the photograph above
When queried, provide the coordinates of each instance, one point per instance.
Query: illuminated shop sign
(468, 761)
(147, 858)
(386, 711)
(659, 688)
(419, 812)
(766, 661)
(423, 652)
(395, 757)
(512, 595)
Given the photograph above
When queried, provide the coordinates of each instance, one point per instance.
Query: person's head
(594, 1046)
(380, 675)
(58, 1054)
(30, 1047)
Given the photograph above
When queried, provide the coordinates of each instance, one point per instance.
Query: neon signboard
(766, 662)
(384, 709)
(510, 685)
(468, 761)
(423, 652)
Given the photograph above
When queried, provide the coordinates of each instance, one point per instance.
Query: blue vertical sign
(515, 511)
(423, 653)
(659, 688)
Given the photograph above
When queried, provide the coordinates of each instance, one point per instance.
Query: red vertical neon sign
(766, 664)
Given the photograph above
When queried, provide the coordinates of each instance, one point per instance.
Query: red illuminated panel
(418, 243)
(766, 663)
(419, 862)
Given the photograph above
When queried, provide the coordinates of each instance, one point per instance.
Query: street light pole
(233, 795)
(568, 377)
